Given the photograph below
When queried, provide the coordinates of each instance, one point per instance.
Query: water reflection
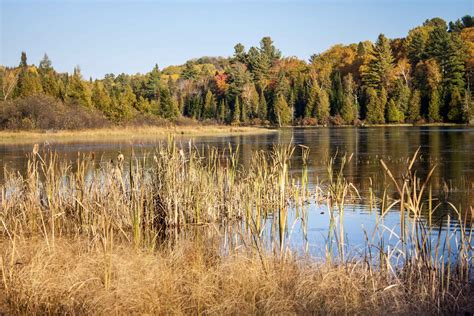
(451, 149)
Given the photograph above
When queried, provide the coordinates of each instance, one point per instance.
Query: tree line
(426, 76)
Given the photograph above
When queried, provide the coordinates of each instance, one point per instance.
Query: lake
(450, 149)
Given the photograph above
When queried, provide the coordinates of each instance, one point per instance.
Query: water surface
(449, 149)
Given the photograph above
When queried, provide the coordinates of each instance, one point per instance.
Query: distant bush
(336, 120)
(142, 119)
(41, 112)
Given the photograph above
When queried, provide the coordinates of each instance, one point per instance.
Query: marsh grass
(177, 231)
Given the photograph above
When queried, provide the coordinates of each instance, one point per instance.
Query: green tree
(262, 106)
(455, 105)
(349, 110)
(282, 111)
(415, 105)
(189, 71)
(322, 106)
(433, 106)
(49, 82)
(221, 117)
(394, 115)
(209, 105)
(467, 113)
(29, 82)
(236, 113)
(379, 71)
(77, 90)
(376, 106)
(100, 98)
(168, 105)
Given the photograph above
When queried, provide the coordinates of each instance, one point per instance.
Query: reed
(188, 230)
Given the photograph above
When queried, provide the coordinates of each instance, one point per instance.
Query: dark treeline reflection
(451, 149)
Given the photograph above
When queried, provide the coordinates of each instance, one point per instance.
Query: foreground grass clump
(178, 232)
(76, 277)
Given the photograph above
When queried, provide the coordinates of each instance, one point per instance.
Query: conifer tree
(433, 106)
(209, 105)
(414, 107)
(375, 107)
(349, 106)
(282, 111)
(236, 113)
(100, 98)
(77, 91)
(378, 73)
(262, 106)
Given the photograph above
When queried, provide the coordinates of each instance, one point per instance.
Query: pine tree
(48, 79)
(29, 82)
(433, 106)
(322, 106)
(455, 105)
(222, 112)
(168, 105)
(77, 90)
(262, 106)
(378, 73)
(416, 47)
(376, 106)
(393, 113)
(349, 106)
(209, 105)
(414, 107)
(100, 98)
(337, 94)
(243, 112)
(282, 111)
(236, 113)
(467, 111)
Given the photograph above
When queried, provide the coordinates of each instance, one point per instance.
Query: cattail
(35, 149)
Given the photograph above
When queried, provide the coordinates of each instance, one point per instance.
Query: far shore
(128, 133)
(150, 132)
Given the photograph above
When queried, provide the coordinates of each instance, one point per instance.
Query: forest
(425, 77)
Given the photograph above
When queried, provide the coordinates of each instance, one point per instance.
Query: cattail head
(35, 149)
(120, 158)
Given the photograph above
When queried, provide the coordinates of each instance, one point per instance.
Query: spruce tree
(77, 91)
(209, 105)
(100, 98)
(393, 113)
(415, 106)
(262, 106)
(455, 105)
(322, 106)
(378, 72)
(282, 111)
(236, 113)
(433, 106)
(376, 106)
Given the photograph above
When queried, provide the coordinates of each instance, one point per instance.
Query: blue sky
(131, 36)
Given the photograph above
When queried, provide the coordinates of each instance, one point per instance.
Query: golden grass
(195, 278)
(180, 233)
(127, 133)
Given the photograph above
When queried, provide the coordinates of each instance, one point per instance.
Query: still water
(450, 149)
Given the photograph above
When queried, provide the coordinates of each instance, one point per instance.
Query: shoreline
(129, 133)
(154, 132)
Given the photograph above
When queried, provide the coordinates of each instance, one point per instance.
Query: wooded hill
(425, 77)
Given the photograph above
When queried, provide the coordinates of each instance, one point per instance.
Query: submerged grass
(178, 232)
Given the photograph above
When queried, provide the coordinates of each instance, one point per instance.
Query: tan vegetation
(125, 133)
(181, 233)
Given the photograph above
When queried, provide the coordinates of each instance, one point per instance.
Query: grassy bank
(195, 278)
(126, 133)
(184, 234)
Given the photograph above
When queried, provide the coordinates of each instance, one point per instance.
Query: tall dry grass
(178, 232)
